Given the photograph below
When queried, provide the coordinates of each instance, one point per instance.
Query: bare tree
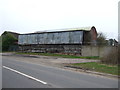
(101, 39)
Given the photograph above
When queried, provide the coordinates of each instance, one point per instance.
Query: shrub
(111, 57)
(7, 41)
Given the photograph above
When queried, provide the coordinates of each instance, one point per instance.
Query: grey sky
(27, 16)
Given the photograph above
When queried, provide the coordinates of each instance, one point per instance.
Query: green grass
(61, 55)
(8, 51)
(95, 66)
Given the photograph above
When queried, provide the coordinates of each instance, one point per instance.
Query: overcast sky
(28, 16)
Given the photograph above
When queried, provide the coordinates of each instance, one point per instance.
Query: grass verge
(61, 55)
(98, 67)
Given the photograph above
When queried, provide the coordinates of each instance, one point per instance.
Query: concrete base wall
(97, 50)
(70, 49)
(74, 49)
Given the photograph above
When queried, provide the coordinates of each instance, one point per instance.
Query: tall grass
(119, 54)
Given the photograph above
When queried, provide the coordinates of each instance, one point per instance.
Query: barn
(65, 41)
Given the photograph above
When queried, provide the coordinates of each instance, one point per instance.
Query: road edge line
(28, 76)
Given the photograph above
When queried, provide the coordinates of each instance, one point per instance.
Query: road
(21, 74)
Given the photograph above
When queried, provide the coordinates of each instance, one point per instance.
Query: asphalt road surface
(20, 74)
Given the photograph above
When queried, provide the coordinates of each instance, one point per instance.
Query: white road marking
(28, 76)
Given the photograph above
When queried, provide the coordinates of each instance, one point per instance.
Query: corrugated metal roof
(66, 29)
(62, 30)
(80, 28)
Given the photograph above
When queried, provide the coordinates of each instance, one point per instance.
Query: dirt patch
(47, 60)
